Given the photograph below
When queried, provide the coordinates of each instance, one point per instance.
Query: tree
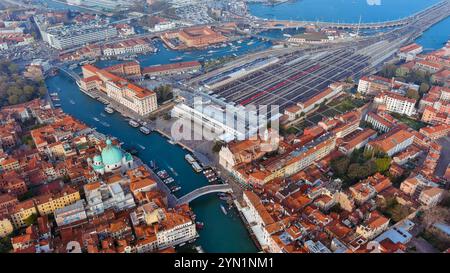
(5, 244)
(382, 164)
(340, 165)
(13, 99)
(413, 94)
(31, 219)
(13, 68)
(361, 171)
(217, 146)
(424, 87)
(388, 71)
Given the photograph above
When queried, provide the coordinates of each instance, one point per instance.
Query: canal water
(349, 11)
(221, 233)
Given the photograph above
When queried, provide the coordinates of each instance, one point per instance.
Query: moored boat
(133, 123)
(144, 130)
(109, 110)
(197, 168)
(224, 210)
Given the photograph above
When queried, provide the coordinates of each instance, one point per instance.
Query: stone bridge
(68, 72)
(203, 191)
(283, 24)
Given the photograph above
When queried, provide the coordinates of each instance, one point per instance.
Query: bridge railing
(203, 191)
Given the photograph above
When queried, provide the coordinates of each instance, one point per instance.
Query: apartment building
(380, 123)
(20, 212)
(392, 142)
(373, 85)
(136, 98)
(48, 203)
(397, 103)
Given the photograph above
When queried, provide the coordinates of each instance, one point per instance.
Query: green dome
(97, 159)
(111, 155)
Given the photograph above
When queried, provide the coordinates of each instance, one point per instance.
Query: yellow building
(6, 227)
(21, 212)
(48, 203)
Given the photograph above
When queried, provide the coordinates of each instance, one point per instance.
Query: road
(444, 160)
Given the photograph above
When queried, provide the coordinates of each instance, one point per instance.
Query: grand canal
(221, 233)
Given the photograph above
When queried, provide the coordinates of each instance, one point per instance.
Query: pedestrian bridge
(68, 72)
(203, 191)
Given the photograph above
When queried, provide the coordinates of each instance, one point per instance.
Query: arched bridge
(68, 72)
(203, 191)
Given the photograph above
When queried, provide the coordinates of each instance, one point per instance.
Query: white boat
(142, 147)
(162, 174)
(106, 124)
(72, 102)
(224, 210)
(199, 249)
(287, 35)
(133, 123)
(96, 119)
(57, 105)
(109, 110)
(144, 130)
(189, 158)
(251, 42)
(173, 171)
(171, 142)
(196, 167)
(169, 180)
(176, 59)
(53, 94)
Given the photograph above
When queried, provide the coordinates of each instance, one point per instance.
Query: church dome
(98, 159)
(111, 155)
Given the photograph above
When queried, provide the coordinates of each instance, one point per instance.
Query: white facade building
(101, 196)
(71, 213)
(397, 103)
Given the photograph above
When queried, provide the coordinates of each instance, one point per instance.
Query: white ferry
(109, 110)
(144, 130)
(133, 123)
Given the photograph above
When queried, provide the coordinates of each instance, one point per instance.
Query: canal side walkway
(256, 231)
